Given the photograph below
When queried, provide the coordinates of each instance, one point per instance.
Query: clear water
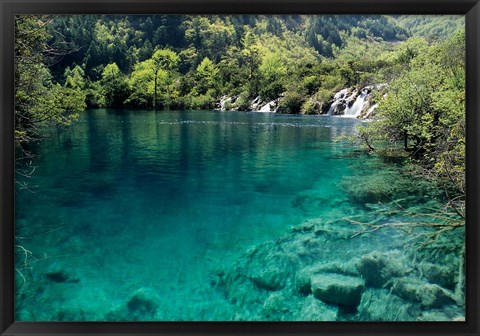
(162, 201)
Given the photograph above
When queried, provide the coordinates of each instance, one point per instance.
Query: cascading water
(356, 103)
(357, 107)
(337, 99)
(255, 103)
(223, 101)
(268, 107)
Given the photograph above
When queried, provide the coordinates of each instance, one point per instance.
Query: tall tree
(164, 60)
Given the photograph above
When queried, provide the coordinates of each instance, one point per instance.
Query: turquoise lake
(161, 202)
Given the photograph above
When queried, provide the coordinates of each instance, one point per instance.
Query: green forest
(65, 64)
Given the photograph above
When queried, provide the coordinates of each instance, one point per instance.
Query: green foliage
(424, 110)
(432, 27)
(226, 55)
(292, 102)
(141, 83)
(205, 101)
(243, 102)
(115, 88)
(310, 106)
(206, 76)
(38, 100)
(151, 82)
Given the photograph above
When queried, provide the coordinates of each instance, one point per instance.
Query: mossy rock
(270, 268)
(275, 271)
(338, 289)
(381, 305)
(277, 306)
(303, 277)
(379, 268)
(315, 310)
(428, 295)
(444, 276)
(383, 186)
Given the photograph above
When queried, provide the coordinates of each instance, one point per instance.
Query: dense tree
(115, 88)
(206, 76)
(424, 110)
(38, 100)
(165, 62)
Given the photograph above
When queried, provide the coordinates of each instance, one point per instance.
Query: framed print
(231, 167)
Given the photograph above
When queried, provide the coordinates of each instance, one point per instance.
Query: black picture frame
(469, 8)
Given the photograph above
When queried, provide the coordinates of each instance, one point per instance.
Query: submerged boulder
(143, 304)
(338, 289)
(444, 276)
(241, 290)
(277, 306)
(428, 295)
(315, 310)
(270, 268)
(447, 313)
(379, 268)
(303, 284)
(381, 305)
(303, 277)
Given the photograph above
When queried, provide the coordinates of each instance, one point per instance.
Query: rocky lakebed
(317, 273)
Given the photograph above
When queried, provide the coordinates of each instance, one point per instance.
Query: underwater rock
(240, 290)
(338, 289)
(441, 275)
(447, 313)
(381, 305)
(277, 305)
(270, 269)
(428, 295)
(378, 268)
(345, 268)
(303, 284)
(315, 310)
(60, 277)
(303, 277)
(436, 316)
(57, 277)
(142, 304)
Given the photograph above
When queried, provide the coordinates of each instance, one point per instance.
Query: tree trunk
(155, 92)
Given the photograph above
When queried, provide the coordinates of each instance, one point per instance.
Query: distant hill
(431, 27)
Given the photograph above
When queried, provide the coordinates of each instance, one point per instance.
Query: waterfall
(354, 103)
(357, 107)
(224, 100)
(337, 99)
(268, 107)
(255, 103)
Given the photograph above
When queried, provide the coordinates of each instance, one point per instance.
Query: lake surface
(127, 203)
